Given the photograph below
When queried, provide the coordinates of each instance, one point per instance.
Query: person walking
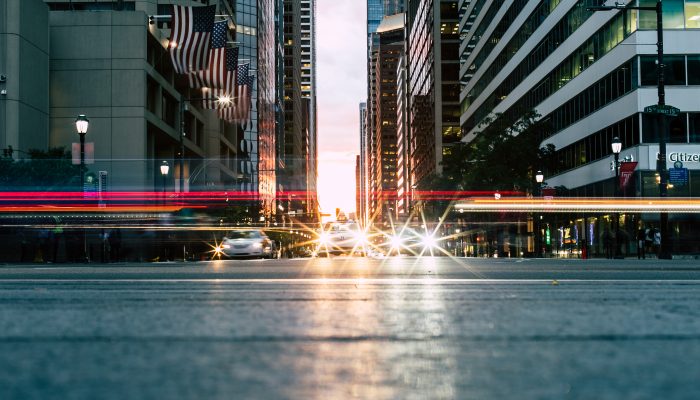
(608, 243)
(641, 238)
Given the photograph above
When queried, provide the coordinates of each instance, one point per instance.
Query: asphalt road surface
(352, 328)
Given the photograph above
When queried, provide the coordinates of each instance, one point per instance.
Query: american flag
(221, 62)
(210, 96)
(190, 37)
(240, 112)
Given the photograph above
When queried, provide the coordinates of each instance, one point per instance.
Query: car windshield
(243, 235)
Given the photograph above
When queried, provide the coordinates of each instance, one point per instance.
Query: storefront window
(674, 73)
(675, 128)
(692, 13)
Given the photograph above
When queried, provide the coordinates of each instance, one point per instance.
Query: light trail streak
(598, 205)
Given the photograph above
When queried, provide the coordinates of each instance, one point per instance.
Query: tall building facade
(24, 80)
(376, 11)
(308, 91)
(590, 75)
(104, 59)
(433, 85)
(255, 30)
(361, 212)
(389, 49)
(403, 141)
(293, 156)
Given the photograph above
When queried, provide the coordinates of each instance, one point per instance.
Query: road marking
(373, 281)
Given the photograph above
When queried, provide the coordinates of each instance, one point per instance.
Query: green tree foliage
(502, 156)
(43, 171)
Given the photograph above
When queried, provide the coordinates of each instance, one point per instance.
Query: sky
(341, 79)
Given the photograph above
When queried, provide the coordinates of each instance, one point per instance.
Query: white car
(247, 243)
(342, 237)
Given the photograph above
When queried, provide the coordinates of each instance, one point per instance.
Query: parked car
(248, 243)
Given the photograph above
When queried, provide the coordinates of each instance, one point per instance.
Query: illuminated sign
(684, 157)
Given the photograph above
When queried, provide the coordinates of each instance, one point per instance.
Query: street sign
(665, 109)
(678, 176)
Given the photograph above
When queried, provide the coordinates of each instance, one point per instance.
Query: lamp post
(81, 125)
(164, 169)
(539, 178)
(616, 146)
(661, 110)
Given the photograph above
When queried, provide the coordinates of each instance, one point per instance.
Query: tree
(44, 171)
(502, 156)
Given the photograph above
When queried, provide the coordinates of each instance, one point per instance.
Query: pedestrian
(641, 237)
(115, 244)
(648, 240)
(608, 243)
(657, 241)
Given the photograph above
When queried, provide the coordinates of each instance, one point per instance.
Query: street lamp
(539, 178)
(616, 146)
(164, 169)
(81, 125)
(660, 109)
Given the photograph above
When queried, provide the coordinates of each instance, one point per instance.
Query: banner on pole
(626, 171)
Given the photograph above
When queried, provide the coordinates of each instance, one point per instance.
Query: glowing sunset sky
(341, 79)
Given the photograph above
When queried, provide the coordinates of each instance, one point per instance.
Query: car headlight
(429, 242)
(360, 237)
(257, 245)
(396, 242)
(225, 246)
(324, 238)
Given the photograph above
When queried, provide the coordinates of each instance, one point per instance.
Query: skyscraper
(433, 84)
(376, 10)
(308, 92)
(389, 49)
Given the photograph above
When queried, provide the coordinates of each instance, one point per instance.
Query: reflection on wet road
(365, 338)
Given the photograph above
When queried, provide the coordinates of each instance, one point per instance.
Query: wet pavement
(380, 329)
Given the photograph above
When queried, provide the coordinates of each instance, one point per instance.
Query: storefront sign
(684, 157)
(678, 176)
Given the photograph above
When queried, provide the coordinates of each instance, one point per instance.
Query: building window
(676, 128)
(674, 73)
(692, 13)
(694, 127)
(694, 69)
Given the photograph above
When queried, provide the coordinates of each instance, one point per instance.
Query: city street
(352, 327)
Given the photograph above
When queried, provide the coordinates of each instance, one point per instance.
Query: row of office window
(554, 38)
(598, 145)
(599, 44)
(534, 20)
(685, 128)
(680, 70)
(469, 26)
(608, 89)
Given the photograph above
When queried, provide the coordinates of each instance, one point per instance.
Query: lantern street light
(164, 169)
(81, 125)
(616, 146)
(539, 178)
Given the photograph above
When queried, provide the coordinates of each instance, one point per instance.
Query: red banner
(626, 171)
